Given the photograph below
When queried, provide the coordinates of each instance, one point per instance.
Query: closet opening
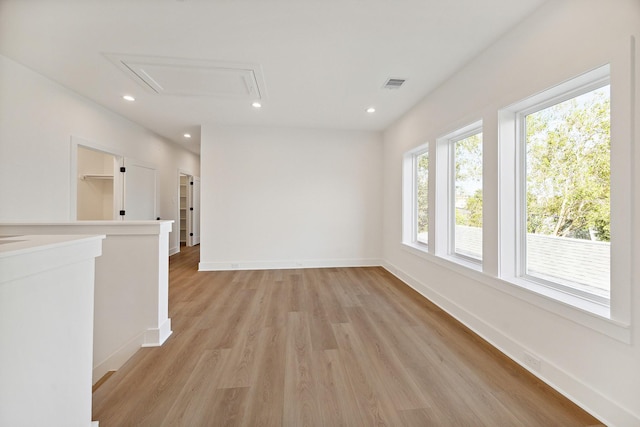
(96, 188)
(189, 209)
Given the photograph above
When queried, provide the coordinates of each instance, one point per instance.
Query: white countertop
(104, 222)
(16, 245)
(86, 227)
(26, 255)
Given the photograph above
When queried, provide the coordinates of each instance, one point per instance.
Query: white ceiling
(323, 61)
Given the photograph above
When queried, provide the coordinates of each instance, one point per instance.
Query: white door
(139, 190)
(194, 237)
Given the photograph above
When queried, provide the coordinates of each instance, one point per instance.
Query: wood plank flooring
(319, 347)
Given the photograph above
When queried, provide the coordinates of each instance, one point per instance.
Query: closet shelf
(96, 176)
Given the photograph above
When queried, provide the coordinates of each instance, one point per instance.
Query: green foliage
(473, 209)
(568, 168)
(468, 154)
(422, 174)
(468, 178)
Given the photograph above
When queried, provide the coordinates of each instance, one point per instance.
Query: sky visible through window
(468, 196)
(568, 191)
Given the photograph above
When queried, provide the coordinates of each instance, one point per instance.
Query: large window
(466, 203)
(552, 220)
(458, 206)
(415, 220)
(422, 197)
(555, 213)
(566, 197)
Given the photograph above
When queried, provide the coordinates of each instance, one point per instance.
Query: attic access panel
(187, 77)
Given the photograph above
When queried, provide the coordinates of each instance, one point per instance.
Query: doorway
(189, 209)
(109, 186)
(96, 193)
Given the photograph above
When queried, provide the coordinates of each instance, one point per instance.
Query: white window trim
(499, 261)
(511, 190)
(445, 191)
(579, 311)
(410, 199)
(600, 78)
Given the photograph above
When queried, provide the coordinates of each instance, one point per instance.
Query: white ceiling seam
(193, 77)
(325, 62)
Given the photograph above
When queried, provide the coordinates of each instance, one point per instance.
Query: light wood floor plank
(227, 408)
(373, 405)
(195, 397)
(266, 398)
(319, 347)
(322, 337)
(336, 380)
(377, 351)
(300, 405)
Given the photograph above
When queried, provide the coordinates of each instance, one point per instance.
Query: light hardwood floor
(319, 347)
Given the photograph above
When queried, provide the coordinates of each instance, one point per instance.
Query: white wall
(285, 197)
(559, 41)
(38, 118)
(46, 330)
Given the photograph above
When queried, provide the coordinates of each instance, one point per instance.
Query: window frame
(445, 187)
(598, 82)
(512, 195)
(410, 198)
(500, 210)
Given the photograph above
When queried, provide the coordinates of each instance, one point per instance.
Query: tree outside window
(568, 186)
(468, 196)
(422, 197)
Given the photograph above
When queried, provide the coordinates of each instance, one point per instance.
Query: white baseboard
(174, 250)
(287, 265)
(155, 337)
(118, 358)
(591, 400)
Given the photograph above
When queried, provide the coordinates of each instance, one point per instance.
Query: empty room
(319, 213)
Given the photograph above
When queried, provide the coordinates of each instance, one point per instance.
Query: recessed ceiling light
(371, 110)
(128, 98)
(187, 135)
(256, 105)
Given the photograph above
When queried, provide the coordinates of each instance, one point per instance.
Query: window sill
(422, 251)
(418, 249)
(587, 313)
(563, 297)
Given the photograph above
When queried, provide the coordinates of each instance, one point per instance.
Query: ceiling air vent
(394, 83)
